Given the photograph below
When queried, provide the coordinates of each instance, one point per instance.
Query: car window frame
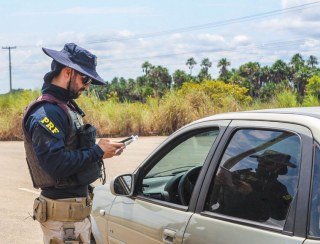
(170, 143)
(296, 222)
(310, 236)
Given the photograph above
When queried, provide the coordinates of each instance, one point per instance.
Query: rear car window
(257, 176)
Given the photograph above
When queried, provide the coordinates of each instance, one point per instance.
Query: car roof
(308, 111)
(305, 116)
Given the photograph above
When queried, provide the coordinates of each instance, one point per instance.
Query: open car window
(161, 182)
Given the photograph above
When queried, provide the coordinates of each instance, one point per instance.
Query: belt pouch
(68, 212)
(40, 210)
(79, 212)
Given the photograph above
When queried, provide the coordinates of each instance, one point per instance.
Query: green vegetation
(158, 103)
(11, 111)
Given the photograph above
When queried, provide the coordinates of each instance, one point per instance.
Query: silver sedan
(244, 177)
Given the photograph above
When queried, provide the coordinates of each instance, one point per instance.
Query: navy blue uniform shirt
(49, 146)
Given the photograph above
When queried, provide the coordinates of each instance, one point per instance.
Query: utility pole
(9, 48)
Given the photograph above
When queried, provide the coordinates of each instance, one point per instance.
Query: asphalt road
(17, 193)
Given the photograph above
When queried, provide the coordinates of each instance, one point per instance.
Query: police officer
(62, 155)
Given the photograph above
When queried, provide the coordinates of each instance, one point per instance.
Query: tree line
(261, 81)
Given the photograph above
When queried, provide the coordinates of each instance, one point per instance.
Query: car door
(250, 192)
(155, 212)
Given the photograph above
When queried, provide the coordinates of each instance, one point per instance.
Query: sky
(123, 34)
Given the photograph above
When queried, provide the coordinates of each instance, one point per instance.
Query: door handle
(168, 236)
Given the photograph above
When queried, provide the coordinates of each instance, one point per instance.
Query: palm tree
(297, 61)
(251, 71)
(206, 64)
(223, 72)
(264, 76)
(312, 61)
(300, 79)
(146, 67)
(204, 72)
(235, 77)
(280, 71)
(300, 73)
(161, 80)
(179, 77)
(191, 63)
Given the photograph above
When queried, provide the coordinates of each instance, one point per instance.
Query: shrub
(286, 99)
(217, 91)
(313, 86)
(310, 101)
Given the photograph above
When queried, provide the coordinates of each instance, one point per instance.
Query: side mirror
(122, 185)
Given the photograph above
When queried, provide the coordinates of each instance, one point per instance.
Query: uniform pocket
(40, 210)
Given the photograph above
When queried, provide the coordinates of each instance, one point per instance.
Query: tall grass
(11, 111)
(155, 117)
(311, 100)
(282, 100)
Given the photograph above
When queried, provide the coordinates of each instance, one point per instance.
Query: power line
(213, 24)
(199, 27)
(9, 48)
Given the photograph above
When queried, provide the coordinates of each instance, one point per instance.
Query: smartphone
(129, 140)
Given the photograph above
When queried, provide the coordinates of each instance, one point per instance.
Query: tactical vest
(76, 134)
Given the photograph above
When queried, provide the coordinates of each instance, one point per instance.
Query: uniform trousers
(54, 229)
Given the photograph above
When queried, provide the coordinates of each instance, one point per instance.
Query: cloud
(125, 33)
(210, 38)
(299, 18)
(311, 15)
(176, 37)
(307, 10)
(241, 40)
(296, 26)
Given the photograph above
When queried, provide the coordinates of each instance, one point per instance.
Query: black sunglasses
(86, 80)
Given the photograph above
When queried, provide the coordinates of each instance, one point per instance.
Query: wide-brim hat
(275, 157)
(77, 58)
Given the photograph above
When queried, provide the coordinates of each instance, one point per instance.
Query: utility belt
(64, 210)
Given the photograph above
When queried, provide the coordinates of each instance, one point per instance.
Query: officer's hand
(110, 148)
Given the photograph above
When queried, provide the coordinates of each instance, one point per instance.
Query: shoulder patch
(49, 125)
